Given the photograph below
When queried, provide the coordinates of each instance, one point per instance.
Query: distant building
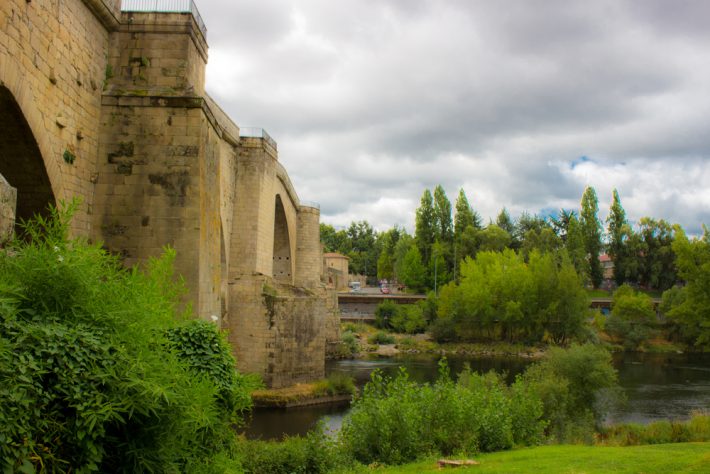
(607, 266)
(335, 270)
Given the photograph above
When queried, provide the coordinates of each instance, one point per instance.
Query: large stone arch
(22, 158)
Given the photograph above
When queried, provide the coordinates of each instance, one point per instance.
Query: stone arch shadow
(25, 149)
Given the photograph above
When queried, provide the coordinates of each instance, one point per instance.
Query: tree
(364, 253)
(545, 240)
(465, 215)
(591, 231)
(505, 222)
(334, 241)
(412, 271)
(658, 260)
(575, 248)
(691, 309)
(442, 213)
(560, 224)
(632, 317)
(466, 225)
(617, 230)
(494, 238)
(387, 241)
(400, 251)
(425, 226)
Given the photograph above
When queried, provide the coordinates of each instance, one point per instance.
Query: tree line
(523, 279)
(446, 235)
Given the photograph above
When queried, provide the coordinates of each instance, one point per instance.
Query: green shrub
(313, 454)
(408, 319)
(384, 313)
(381, 337)
(202, 348)
(396, 420)
(577, 387)
(632, 317)
(87, 380)
(349, 344)
(336, 384)
(657, 432)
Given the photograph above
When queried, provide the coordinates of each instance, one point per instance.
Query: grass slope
(659, 458)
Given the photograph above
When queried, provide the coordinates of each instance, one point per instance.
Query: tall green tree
(657, 268)
(691, 309)
(505, 222)
(387, 241)
(560, 224)
(592, 232)
(464, 215)
(575, 248)
(425, 226)
(412, 271)
(334, 240)
(617, 228)
(442, 213)
(493, 238)
(400, 251)
(365, 251)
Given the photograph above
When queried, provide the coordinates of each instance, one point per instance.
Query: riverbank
(336, 389)
(366, 340)
(658, 458)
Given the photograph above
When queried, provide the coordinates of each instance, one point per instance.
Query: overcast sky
(520, 103)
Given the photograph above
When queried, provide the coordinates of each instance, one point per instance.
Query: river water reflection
(657, 386)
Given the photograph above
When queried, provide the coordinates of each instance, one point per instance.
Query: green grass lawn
(659, 458)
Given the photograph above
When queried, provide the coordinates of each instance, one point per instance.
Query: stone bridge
(110, 106)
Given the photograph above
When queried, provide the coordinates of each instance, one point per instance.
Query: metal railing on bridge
(255, 132)
(312, 204)
(165, 6)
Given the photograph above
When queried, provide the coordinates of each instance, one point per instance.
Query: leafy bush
(349, 344)
(313, 454)
(396, 420)
(658, 432)
(576, 386)
(408, 319)
(384, 313)
(503, 296)
(201, 347)
(87, 378)
(336, 384)
(381, 337)
(632, 317)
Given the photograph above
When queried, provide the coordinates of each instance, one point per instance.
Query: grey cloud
(371, 101)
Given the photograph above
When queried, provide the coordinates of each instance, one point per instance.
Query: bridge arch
(23, 156)
(283, 268)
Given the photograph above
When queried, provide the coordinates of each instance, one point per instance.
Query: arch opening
(21, 161)
(282, 245)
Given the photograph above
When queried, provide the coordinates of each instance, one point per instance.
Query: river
(657, 386)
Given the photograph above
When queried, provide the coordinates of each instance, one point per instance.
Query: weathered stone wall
(159, 156)
(252, 239)
(280, 334)
(309, 254)
(8, 199)
(53, 62)
(331, 327)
